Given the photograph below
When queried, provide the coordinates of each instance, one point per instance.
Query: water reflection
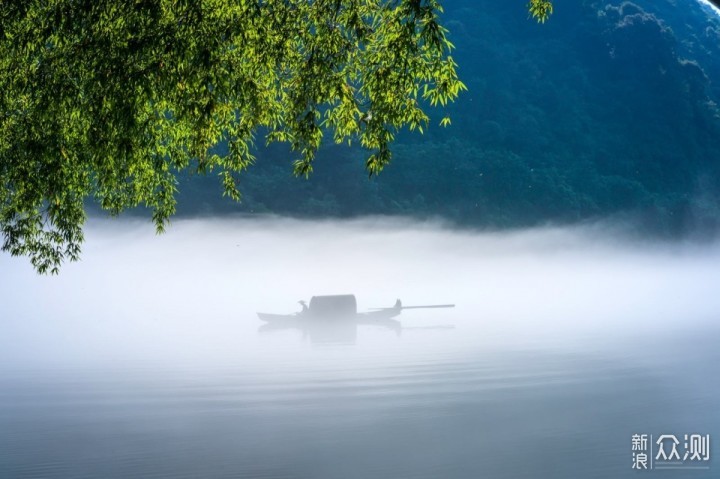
(331, 330)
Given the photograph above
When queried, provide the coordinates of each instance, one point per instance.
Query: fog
(190, 296)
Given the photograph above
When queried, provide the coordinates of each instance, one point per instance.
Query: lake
(146, 359)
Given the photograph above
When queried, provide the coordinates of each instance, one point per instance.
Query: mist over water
(563, 343)
(192, 293)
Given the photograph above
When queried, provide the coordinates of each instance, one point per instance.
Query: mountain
(610, 109)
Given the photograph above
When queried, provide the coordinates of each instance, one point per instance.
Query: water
(501, 414)
(145, 360)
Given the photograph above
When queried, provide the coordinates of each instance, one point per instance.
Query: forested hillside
(608, 109)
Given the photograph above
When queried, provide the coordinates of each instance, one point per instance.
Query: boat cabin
(334, 306)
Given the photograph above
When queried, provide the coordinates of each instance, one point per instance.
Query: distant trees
(608, 111)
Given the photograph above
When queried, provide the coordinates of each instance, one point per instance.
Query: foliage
(607, 111)
(111, 99)
(540, 9)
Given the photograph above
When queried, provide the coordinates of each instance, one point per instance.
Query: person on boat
(304, 307)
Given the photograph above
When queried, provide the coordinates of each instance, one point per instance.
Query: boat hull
(361, 318)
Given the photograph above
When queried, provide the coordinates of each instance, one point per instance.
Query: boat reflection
(330, 330)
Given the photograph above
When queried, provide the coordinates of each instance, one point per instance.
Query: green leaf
(111, 100)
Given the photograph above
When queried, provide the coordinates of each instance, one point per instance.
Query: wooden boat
(342, 307)
(335, 319)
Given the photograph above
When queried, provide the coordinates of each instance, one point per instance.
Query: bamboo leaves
(111, 100)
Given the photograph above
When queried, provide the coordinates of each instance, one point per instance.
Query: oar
(414, 328)
(429, 306)
(421, 307)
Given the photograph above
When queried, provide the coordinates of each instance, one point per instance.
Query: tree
(109, 100)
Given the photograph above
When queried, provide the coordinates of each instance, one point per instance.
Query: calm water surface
(348, 411)
(145, 360)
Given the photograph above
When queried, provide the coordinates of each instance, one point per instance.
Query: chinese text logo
(669, 452)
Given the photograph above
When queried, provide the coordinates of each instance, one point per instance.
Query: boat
(341, 307)
(335, 318)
